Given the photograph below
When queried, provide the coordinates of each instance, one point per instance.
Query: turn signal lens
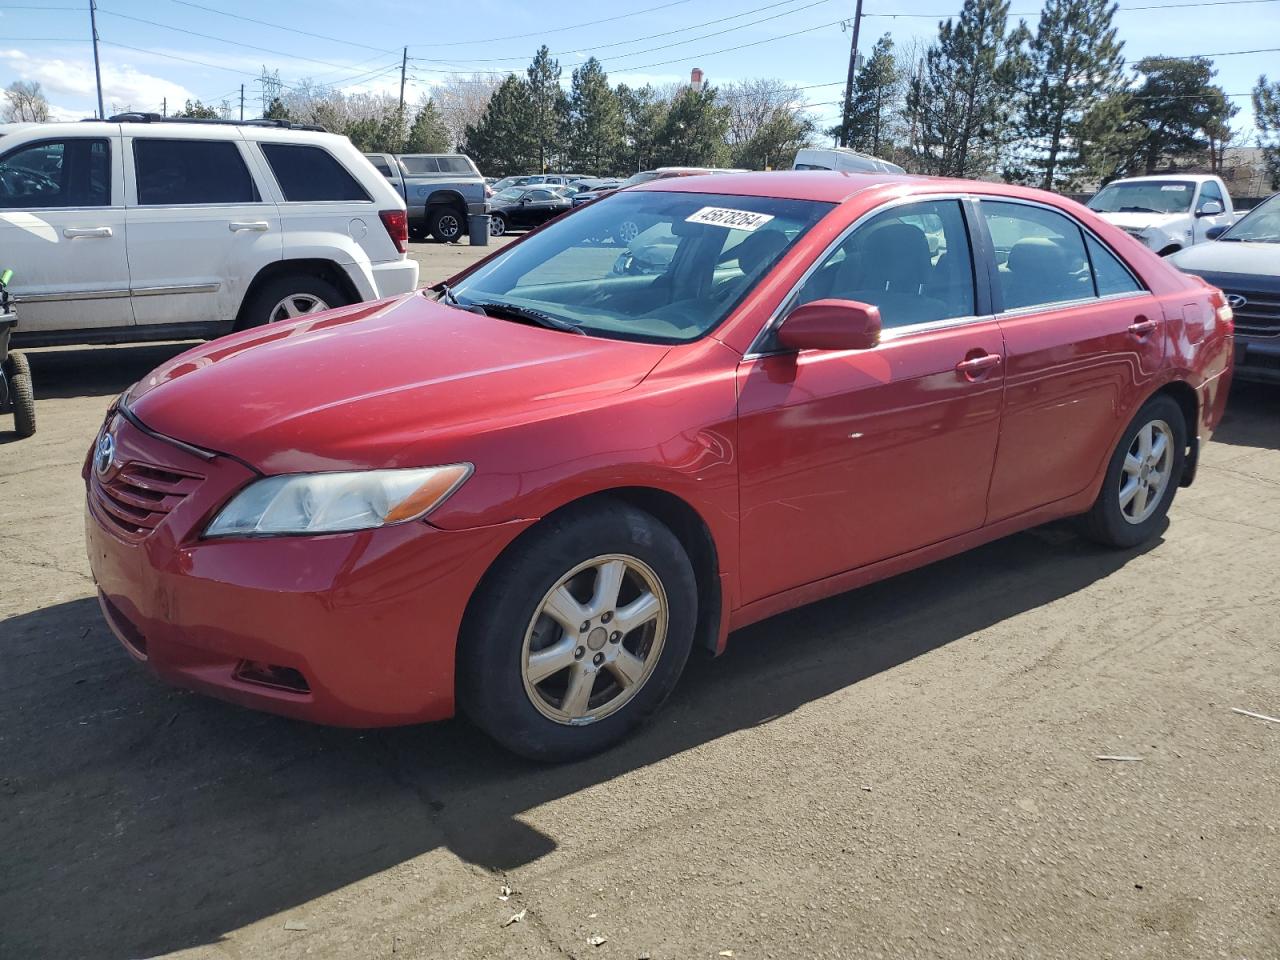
(310, 503)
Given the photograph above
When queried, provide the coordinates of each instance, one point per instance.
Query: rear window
(421, 164)
(455, 165)
(311, 174)
(171, 172)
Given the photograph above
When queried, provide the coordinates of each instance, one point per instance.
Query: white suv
(137, 229)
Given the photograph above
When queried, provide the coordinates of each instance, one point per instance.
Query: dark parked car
(1244, 261)
(525, 207)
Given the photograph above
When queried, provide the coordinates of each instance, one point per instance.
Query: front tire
(579, 633)
(1142, 476)
(497, 225)
(446, 224)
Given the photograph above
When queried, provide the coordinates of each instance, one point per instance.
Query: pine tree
(877, 88)
(196, 110)
(595, 121)
(1074, 61)
(695, 131)
(643, 116)
(1266, 112)
(963, 99)
(548, 107)
(504, 142)
(427, 134)
(1175, 113)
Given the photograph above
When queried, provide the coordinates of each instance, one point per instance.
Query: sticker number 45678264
(727, 217)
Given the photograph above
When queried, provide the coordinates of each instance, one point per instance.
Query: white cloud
(122, 84)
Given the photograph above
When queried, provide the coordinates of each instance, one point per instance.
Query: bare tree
(754, 103)
(25, 103)
(461, 101)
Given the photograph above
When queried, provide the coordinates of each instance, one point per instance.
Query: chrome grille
(1260, 315)
(136, 497)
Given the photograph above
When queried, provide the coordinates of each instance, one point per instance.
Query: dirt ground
(903, 771)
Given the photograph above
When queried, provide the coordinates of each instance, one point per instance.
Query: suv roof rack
(134, 117)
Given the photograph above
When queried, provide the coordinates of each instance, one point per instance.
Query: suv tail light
(397, 224)
(488, 191)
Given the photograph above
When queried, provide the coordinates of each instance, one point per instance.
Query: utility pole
(404, 65)
(164, 107)
(848, 89)
(97, 68)
(242, 103)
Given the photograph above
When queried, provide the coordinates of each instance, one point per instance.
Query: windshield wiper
(1136, 210)
(527, 315)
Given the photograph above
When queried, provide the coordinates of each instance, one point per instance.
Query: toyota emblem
(105, 453)
(1236, 301)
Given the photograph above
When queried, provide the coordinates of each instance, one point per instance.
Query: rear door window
(173, 172)
(311, 174)
(1040, 255)
(1110, 275)
(57, 173)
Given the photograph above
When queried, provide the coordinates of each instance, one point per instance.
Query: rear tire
(18, 370)
(497, 225)
(447, 225)
(1142, 476)
(286, 297)
(604, 563)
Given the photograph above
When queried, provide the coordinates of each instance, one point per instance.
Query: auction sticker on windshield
(726, 217)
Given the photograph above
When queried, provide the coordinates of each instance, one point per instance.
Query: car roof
(832, 186)
(1193, 177)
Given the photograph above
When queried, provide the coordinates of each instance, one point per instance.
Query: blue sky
(147, 56)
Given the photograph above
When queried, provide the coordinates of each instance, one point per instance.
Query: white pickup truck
(1167, 213)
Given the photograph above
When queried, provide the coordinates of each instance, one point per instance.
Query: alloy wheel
(595, 639)
(497, 226)
(1144, 476)
(296, 305)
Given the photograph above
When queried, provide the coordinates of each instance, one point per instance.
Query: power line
(665, 33)
(544, 32)
(279, 26)
(1036, 13)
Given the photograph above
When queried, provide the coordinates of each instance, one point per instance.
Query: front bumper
(369, 620)
(1258, 358)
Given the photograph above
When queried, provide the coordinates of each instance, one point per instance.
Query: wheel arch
(326, 270)
(1189, 402)
(1169, 249)
(682, 519)
(446, 198)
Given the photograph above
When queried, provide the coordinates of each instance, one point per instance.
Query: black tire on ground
(309, 290)
(1105, 522)
(447, 224)
(497, 225)
(22, 393)
(491, 688)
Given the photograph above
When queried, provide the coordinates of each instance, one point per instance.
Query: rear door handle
(256, 226)
(977, 366)
(87, 233)
(1142, 326)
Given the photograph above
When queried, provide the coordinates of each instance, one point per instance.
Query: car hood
(393, 383)
(1230, 257)
(1141, 221)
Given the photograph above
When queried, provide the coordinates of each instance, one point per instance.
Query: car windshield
(1259, 225)
(511, 193)
(691, 259)
(1147, 196)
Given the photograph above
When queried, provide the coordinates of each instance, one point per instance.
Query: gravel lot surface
(903, 771)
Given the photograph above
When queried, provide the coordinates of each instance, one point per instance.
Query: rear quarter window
(311, 174)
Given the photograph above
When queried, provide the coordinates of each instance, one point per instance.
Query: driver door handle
(240, 226)
(977, 366)
(86, 233)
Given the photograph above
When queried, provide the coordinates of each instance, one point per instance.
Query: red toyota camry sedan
(529, 492)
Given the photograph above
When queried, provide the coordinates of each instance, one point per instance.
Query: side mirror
(1213, 233)
(1210, 208)
(831, 325)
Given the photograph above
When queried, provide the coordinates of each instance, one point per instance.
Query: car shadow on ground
(137, 819)
(1252, 418)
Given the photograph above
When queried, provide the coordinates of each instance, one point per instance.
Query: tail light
(397, 224)
(488, 191)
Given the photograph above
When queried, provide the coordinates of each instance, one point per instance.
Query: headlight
(336, 502)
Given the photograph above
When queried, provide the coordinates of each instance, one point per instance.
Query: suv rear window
(191, 171)
(310, 173)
